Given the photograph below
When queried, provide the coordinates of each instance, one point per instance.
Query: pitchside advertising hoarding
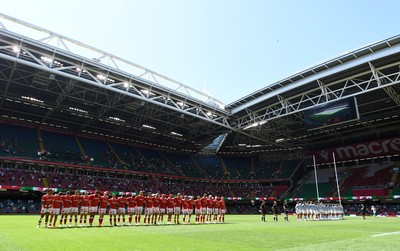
(364, 150)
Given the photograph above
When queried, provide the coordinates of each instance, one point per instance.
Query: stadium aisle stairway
(288, 167)
(176, 170)
(223, 165)
(81, 148)
(40, 138)
(98, 153)
(45, 182)
(203, 173)
(238, 168)
(252, 170)
(117, 156)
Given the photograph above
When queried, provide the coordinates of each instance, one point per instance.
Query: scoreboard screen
(330, 114)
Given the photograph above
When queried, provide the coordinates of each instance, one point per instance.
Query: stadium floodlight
(176, 134)
(78, 69)
(117, 119)
(147, 92)
(253, 146)
(279, 140)
(32, 99)
(46, 59)
(100, 77)
(149, 127)
(182, 104)
(15, 49)
(255, 125)
(78, 110)
(126, 84)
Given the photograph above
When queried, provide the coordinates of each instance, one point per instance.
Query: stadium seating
(267, 170)
(359, 180)
(58, 146)
(310, 191)
(62, 147)
(287, 168)
(98, 153)
(185, 164)
(211, 165)
(130, 157)
(373, 177)
(238, 168)
(18, 141)
(279, 190)
(8, 206)
(12, 175)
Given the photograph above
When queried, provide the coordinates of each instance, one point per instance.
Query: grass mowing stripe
(242, 232)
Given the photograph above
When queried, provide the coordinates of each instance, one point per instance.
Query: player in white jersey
(374, 211)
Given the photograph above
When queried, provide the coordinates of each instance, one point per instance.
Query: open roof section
(325, 68)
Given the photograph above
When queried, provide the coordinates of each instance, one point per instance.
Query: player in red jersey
(55, 208)
(197, 211)
(177, 208)
(121, 209)
(216, 209)
(185, 208)
(203, 208)
(139, 199)
(84, 208)
(75, 199)
(94, 200)
(66, 209)
(222, 210)
(191, 206)
(156, 209)
(148, 213)
(114, 201)
(103, 207)
(131, 207)
(210, 202)
(163, 209)
(170, 208)
(46, 207)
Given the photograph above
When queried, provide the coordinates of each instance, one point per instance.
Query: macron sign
(361, 150)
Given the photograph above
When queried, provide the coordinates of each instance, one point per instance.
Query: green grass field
(241, 232)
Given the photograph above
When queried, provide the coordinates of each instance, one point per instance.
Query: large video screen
(333, 113)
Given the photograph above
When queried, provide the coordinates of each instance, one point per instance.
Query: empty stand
(62, 147)
(18, 141)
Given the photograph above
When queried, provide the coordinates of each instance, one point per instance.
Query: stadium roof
(50, 81)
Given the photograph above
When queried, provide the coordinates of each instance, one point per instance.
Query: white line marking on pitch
(391, 233)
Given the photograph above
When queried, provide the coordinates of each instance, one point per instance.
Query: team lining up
(318, 211)
(207, 209)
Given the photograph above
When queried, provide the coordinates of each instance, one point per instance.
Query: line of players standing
(318, 211)
(206, 209)
(306, 211)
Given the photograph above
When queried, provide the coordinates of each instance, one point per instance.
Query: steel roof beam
(349, 87)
